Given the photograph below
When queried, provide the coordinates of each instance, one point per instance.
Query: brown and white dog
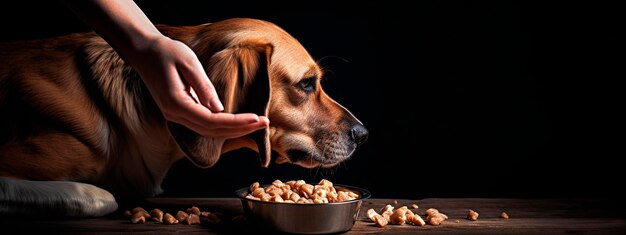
(72, 111)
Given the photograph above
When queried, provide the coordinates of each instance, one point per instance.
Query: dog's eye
(307, 84)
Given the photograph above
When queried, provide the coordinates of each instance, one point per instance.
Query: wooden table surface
(527, 216)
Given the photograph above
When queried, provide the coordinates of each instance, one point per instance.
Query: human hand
(172, 73)
(169, 68)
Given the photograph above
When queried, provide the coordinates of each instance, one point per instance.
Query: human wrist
(140, 47)
(142, 40)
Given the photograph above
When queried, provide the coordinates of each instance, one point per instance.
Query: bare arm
(165, 66)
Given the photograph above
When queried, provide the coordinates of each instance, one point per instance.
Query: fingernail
(219, 106)
(265, 119)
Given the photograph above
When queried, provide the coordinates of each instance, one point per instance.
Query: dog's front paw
(53, 198)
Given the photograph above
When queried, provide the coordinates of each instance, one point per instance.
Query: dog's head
(258, 67)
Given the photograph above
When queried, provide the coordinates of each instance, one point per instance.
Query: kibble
(157, 215)
(472, 215)
(299, 192)
(169, 219)
(254, 186)
(193, 210)
(386, 208)
(380, 221)
(138, 218)
(140, 210)
(416, 220)
(431, 211)
(399, 216)
(181, 216)
(193, 217)
(434, 217)
(435, 220)
(371, 213)
(212, 218)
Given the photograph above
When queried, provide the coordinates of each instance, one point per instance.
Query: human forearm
(120, 22)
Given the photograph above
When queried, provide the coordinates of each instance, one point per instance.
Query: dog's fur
(73, 111)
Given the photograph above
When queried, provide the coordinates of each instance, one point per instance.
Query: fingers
(196, 77)
(229, 133)
(225, 133)
(199, 119)
(201, 115)
(193, 95)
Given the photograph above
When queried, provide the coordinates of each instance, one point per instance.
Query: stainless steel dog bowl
(332, 217)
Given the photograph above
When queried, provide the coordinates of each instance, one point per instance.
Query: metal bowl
(331, 217)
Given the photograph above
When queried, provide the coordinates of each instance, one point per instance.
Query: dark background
(462, 99)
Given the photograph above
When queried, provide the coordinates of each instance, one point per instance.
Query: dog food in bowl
(298, 207)
(299, 192)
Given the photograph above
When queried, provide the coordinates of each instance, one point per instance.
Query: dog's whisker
(345, 165)
(332, 57)
(317, 170)
(318, 141)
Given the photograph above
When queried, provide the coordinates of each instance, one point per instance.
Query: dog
(79, 128)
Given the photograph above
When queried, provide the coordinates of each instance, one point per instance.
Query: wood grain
(528, 216)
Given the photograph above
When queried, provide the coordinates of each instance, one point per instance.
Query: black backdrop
(462, 99)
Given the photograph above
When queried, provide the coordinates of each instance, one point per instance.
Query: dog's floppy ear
(241, 77)
(245, 87)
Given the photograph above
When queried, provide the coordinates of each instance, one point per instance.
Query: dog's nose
(359, 134)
